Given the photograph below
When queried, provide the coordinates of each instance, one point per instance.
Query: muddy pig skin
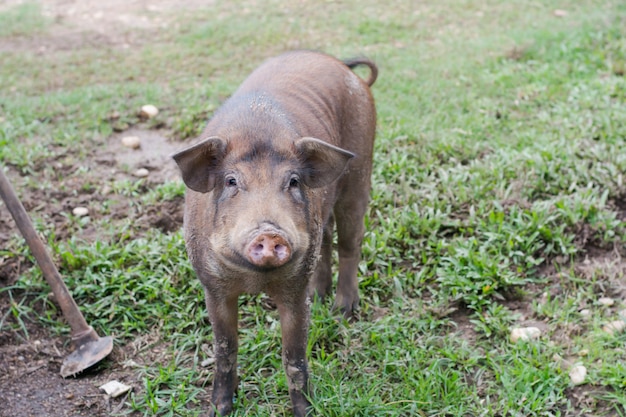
(287, 157)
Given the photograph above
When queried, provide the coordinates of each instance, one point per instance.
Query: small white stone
(207, 362)
(560, 13)
(562, 362)
(577, 374)
(115, 388)
(132, 142)
(524, 333)
(80, 211)
(606, 301)
(149, 111)
(141, 173)
(131, 364)
(615, 326)
(585, 312)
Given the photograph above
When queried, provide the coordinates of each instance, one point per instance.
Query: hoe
(89, 348)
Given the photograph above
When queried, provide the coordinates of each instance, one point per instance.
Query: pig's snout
(268, 249)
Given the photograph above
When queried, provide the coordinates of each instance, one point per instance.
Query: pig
(283, 160)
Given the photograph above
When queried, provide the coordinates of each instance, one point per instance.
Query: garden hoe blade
(89, 348)
(86, 355)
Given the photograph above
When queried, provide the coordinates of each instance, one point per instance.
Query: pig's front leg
(223, 316)
(294, 321)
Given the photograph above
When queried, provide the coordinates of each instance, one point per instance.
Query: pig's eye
(231, 182)
(293, 182)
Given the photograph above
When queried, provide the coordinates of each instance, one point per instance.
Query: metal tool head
(86, 355)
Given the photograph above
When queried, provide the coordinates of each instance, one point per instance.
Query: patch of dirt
(618, 204)
(607, 269)
(72, 184)
(89, 23)
(31, 384)
(465, 328)
(153, 154)
(583, 398)
(66, 183)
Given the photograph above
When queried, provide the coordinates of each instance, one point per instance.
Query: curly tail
(354, 62)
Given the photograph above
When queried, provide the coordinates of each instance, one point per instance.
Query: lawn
(498, 201)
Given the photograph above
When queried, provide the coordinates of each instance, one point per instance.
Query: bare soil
(91, 23)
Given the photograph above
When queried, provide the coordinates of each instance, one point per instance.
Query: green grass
(499, 166)
(22, 19)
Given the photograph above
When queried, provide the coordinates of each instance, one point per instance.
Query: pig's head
(264, 202)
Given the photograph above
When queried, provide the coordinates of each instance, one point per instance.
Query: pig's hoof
(316, 295)
(302, 409)
(220, 410)
(347, 310)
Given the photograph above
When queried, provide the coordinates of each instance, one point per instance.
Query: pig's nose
(269, 250)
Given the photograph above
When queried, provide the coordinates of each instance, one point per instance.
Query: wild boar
(287, 157)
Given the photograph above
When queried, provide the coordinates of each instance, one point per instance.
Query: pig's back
(319, 94)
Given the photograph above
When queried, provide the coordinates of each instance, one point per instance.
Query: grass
(22, 19)
(497, 201)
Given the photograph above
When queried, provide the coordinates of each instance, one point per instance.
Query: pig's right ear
(199, 163)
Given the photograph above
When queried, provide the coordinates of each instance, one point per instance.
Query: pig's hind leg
(349, 214)
(322, 281)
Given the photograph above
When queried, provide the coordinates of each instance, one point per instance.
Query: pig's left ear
(324, 163)
(199, 163)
